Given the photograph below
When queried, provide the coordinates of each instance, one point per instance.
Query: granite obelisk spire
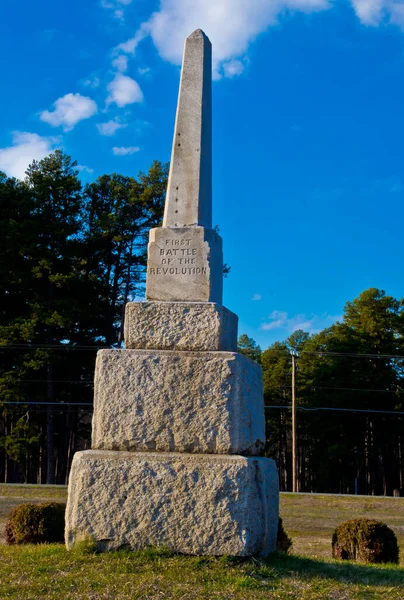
(189, 190)
(185, 261)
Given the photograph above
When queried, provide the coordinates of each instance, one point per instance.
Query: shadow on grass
(343, 571)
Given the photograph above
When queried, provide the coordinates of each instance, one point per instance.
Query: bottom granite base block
(190, 503)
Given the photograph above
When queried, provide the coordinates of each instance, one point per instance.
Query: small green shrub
(365, 540)
(283, 541)
(36, 523)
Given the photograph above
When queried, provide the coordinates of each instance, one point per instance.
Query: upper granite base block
(180, 326)
(192, 504)
(166, 401)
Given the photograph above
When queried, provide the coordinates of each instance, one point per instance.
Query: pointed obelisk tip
(198, 33)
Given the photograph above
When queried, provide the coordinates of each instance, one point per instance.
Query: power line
(320, 387)
(352, 354)
(356, 410)
(53, 347)
(83, 381)
(88, 347)
(22, 404)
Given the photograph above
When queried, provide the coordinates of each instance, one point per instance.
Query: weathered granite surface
(184, 264)
(180, 326)
(189, 190)
(160, 400)
(193, 504)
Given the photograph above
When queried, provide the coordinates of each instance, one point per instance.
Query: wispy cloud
(124, 151)
(117, 6)
(92, 82)
(69, 110)
(110, 127)
(25, 148)
(311, 323)
(84, 169)
(124, 90)
(130, 45)
(120, 63)
(256, 297)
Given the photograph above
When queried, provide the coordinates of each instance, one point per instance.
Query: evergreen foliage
(357, 363)
(70, 259)
(249, 348)
(365, 540)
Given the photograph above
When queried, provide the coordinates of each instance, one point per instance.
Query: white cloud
(368, 11)
(69, 110)
(120, 63)
(84, 169)
(92, 82)
(230, 24)
(110, 127)
(311, 323)
(375, 12)
(232, 68)
(256, 297)
(26, 147)
(143, 71)
(119, 14)
(124, 90)
(122, 151)
(233, 24)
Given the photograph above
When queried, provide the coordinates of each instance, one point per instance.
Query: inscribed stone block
(184, 264)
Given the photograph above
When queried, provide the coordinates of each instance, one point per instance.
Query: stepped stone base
(180, 326)
(166, 401)
(192, 504)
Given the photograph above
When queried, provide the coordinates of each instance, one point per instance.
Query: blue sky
(308, 106)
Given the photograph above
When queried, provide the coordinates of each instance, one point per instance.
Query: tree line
(71, 256)
(70, 259)
(349, 393)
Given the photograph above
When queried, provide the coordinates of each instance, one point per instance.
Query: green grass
(49, 572)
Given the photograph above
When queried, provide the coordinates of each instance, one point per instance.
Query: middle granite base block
(189, 503)
(168, 401)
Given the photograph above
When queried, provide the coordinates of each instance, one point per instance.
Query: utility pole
(294, 458)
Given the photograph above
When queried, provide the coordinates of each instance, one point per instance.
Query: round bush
(365, 540)
(36, 523)
(283, 541)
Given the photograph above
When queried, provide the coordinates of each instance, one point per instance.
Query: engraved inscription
(178, 257)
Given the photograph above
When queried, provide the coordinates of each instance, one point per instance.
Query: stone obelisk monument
(178, 420)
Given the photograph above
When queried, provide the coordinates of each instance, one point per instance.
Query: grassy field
(311, 519)
(49, 572)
